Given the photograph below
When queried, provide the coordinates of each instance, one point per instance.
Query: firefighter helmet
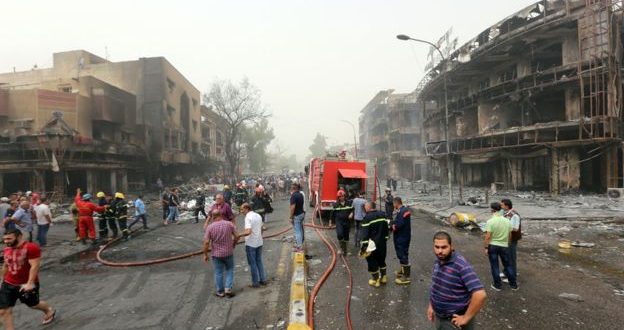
(119, 195)
(100, 194)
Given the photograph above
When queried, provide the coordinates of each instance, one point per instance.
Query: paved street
(543, 276)
(174, 295)
(179, 294)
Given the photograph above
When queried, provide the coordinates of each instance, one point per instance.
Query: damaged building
(390, 132)
(100, 125)
(535, 101)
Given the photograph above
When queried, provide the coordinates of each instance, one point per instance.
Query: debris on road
(571, 297)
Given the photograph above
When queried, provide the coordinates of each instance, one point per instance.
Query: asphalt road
(543, 276)
(179, 294)
(173, 295)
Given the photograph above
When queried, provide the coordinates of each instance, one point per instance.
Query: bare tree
(239, 105)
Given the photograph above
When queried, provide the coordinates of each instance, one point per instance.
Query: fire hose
(325, 275)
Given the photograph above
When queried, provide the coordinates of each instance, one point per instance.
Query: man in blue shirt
(456, 295)
(139, 212)
(358, 215)
(23, 219)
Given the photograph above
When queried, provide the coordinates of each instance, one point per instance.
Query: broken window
(508, 74)
(65, 88)
(170, 85)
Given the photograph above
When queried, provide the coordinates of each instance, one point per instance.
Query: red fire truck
(327, 175)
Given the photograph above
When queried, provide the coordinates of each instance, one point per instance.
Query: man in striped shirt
(456, 295)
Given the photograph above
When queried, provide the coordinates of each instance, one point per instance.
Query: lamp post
(446, 111)
(354, 139)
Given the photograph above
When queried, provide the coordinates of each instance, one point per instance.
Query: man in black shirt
(297, 215)
(200, 204)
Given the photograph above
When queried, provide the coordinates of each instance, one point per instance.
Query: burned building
(390, 133)
(535, 101)
(92, 123)
(213, 140)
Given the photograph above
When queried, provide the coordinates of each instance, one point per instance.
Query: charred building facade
(535, 101)
(92, 123)
(390, 133)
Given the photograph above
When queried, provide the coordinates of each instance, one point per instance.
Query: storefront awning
(352, 174)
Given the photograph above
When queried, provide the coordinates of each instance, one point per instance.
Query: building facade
(109, 125)
(535, 101)
(390, 134)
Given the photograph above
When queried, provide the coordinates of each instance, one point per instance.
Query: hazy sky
(316, 61)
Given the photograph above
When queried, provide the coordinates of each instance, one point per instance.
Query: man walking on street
(85, 216)
(341, 215)
(388, 203)
(44, 220)
(497, 237)
(402, 234)
(358, 215)
(22, 218)
(516, 232)
(253, 245)
(140, 214)
(456, 295)
(219, 241)
(164, 200)
(174, 203)
(297, 215)
(200, 204)
(375, 229)
(20, 279)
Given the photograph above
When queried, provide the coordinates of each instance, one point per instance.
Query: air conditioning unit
(615, 193)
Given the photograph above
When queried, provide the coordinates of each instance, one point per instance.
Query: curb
(298, 294)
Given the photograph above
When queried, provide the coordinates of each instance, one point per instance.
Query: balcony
(4, 103)
(107, 109)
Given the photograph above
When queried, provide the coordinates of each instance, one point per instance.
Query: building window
(219, 139)
(170, 110)
(65, 89)
(171, 85)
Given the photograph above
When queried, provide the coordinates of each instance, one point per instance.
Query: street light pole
(446, 111)
(354, 139)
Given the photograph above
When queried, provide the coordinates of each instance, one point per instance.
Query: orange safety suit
(85, 217)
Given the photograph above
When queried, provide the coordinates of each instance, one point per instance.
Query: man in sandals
(20, 278)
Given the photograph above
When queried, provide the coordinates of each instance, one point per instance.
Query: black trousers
(199, 210)
(104, 224)
(402, 251)
(377, 259)
(342, 230)
(123, 226)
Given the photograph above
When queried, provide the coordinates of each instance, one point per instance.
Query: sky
(317, 62)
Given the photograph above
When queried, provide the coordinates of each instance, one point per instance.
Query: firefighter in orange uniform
(85, 216)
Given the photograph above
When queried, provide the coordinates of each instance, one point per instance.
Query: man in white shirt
(253, 245)
(44, 219)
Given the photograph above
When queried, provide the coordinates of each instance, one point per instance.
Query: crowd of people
(456, 293)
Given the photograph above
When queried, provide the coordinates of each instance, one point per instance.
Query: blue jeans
(42, 234)
(494, 253)
(298, 227)
(173, 214)
(220, 265)
(254, 259)
(513, 246)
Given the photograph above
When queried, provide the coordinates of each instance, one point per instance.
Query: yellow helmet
(100, 194)
(226, 187)
(119, 195)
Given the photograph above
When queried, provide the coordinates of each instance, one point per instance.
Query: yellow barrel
(461, 219)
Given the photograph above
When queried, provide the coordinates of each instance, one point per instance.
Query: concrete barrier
(298, 294)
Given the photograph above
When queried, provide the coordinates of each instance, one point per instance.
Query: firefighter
(402, 234)
(241, 194)
(102, 228)
(375, 228)
(110, 218)
(341, 215)
(121, 214)
(259, 203)
(199, 205)
(227, 195)
(388, 203)
(85, 216)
